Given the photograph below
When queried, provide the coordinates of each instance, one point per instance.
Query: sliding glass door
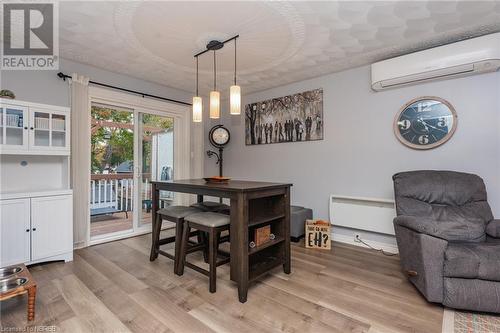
(111, 170)
(129, 149)
(156, 154)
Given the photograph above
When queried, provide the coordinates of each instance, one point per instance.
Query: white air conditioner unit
(468, 57)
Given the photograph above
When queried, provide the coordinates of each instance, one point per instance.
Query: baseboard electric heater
(370, 214)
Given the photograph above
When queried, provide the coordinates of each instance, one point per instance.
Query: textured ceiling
(280, 42)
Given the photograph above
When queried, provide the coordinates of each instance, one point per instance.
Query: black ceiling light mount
(215, 45)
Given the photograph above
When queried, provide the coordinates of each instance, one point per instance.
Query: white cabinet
(29, 128)
(15, 231)
(36, 213)
(36, 229)
(52, 226)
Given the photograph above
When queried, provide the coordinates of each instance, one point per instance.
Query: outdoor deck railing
(116, 191)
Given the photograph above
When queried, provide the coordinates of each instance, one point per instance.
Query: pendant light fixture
(215, 96)
(214, 100)
(197, 101)
(235, 91)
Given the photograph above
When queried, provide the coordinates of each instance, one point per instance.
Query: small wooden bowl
(217, 180)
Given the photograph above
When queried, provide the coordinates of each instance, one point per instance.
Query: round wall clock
(425, 122)
(219, 136)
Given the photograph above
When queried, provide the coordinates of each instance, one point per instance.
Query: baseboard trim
(390, 248)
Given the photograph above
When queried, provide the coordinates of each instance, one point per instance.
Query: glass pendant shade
(197, 109)
(214, 105)
(235, 100)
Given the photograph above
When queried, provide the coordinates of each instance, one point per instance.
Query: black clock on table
(425, 122)
(219, 137)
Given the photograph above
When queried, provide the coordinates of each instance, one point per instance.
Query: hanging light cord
(215, 74)
(235, 61)
(197, 76)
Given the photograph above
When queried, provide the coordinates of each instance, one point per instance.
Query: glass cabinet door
(49, 130)
(13, 125)
(41, 129)
(59, 134)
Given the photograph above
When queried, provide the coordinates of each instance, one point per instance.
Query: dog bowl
(9, 271)
(12, 283)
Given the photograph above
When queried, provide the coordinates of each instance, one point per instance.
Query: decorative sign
(318, 234)
(292, 118)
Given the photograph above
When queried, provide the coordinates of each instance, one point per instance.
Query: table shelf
(262, 267)
(259, 220)
(266, 245)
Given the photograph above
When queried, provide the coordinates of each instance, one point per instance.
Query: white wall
(46, 87)
(360, 153)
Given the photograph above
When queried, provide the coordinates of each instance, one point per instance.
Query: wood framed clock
(219, 136)
(425, 122)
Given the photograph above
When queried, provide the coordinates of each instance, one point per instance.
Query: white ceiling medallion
(128, 14)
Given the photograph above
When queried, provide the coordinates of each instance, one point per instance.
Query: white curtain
(80, 157)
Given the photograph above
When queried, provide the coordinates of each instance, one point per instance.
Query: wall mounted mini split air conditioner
(468, 57)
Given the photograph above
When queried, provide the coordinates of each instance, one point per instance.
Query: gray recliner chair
(448, 241)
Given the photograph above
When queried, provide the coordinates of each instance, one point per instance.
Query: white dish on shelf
(58, 125)
(41, 123)
(12, 120)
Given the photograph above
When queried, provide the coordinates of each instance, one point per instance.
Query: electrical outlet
(357, 238)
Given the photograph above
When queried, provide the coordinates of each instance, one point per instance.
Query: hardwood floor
(113, 287)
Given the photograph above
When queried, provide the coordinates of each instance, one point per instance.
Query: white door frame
(182, 146)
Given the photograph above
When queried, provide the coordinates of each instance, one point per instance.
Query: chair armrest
(493, 228)
(424, 255)
(455, 230)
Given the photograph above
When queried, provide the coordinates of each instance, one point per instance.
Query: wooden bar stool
(213, 224)
(210, 206)
(175, 214)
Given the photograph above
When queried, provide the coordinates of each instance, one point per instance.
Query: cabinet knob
(27, 230)
(31, 128)
(25, 127)
(34, 229)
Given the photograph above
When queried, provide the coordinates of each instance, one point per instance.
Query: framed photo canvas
(292, 118)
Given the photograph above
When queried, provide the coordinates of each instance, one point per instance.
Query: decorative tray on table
(217, 180)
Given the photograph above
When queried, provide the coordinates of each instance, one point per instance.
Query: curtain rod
(63, 76)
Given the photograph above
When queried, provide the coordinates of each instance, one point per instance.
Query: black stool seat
(213, 224)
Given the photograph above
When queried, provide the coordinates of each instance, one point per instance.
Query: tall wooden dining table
(252, 205)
